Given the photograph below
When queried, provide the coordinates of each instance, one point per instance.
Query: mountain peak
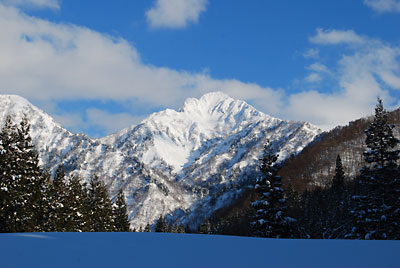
(213, 103)
(13, 100)
(207, 101)
(216, 95)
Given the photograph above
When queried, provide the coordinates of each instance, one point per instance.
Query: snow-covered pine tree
(377, 210)
(270, 219)
(74, 204)
(101, 213)
(121, 221)
(31, 185)
(25, 202)
(58, 201)
(8, 206)
(162, 225)
(147, 229)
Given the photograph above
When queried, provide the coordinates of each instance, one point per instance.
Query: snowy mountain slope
(184, 164)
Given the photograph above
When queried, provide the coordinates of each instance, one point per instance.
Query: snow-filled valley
(183, 164)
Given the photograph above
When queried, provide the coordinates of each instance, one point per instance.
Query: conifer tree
(32, 186)
(270, 219)
(75, 217)
(8, 176)
(101, 213)
(338, 179)
(376, 215)
(24, 187)
(121, 222)
(338, 200)
(147, 229)
(162, 225)
(181, 229)
(205, 228)
(59, 201)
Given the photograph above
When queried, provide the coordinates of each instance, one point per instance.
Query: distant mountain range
(182, 164)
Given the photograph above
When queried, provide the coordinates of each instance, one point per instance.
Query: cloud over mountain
(175, 13)
(48, 62)
(384, 6)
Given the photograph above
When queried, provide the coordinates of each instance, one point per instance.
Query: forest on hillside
(306, 198)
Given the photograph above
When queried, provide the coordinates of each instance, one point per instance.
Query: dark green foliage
(147, 228)
(58, 201)
(101, 213)
(8, 174)
(205, 228)
(31, 202)
(23, 185)
(381, 141)
(270, 219)
(76, 216)
(121, 222)
(162, 225)
(338, 179)
(181, 229)
(377, 212)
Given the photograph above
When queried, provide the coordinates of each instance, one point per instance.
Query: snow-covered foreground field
(186, 250)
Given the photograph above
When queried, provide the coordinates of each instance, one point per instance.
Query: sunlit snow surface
(186, 250)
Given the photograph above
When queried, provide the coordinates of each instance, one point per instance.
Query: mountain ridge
(184, 164)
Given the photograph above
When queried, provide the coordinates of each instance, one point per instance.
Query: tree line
(32, 201)
(364, 207)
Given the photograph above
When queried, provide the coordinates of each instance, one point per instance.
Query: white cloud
(318, 67)
(52, 4)
(175, 13)
(384, 6)
(366, 71)
(72, 121)
(334, 37)
(47, 62)
(311, 53)
(313, 78)
(111, 122)
(318, 71)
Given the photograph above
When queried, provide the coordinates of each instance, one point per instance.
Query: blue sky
(98, 68)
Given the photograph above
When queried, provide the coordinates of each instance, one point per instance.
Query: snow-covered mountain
(184, 164)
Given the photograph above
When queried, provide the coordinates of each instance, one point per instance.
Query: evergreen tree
(162, 225)
(101, 213)
(338, 198)
(75, 214)
(32, 185)
(147, 229)
(205, 228)
(376, 214)
(24, 187)
(338, 179)
(8, 176)
(181, 229)
(121, 222)
(59, 201)
(270, 219)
